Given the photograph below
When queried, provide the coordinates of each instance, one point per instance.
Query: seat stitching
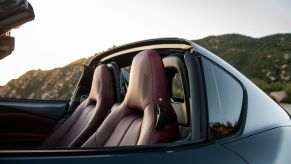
(75, 124)
(152, 127)
(126, 130)
(93, 106)
(152, 98)
(138, 135)
(152, 79)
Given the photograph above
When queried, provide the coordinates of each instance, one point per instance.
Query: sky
(67, 30)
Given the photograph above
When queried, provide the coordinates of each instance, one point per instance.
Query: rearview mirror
(6, 46)
(13, 13)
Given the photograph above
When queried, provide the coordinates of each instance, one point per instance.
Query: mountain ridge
(265, 60)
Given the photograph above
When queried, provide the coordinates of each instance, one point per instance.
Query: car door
(26, 123)
(183, 154)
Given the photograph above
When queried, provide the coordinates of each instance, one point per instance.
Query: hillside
(266, 58)
(52, 84)
(266, 61)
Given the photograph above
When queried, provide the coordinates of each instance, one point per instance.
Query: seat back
(141, 119)
(174, 64)
(88, 116)
(116, 80)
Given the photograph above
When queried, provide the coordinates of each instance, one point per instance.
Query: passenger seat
(174, 64)
(88, 116)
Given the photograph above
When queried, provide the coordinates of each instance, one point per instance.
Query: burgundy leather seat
(134, 121)
(88, 116)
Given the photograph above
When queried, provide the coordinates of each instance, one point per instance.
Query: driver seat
(88, 116)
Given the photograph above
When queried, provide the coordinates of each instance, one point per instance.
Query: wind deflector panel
(14, 13)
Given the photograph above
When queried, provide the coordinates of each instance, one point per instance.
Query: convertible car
(161, 100)
(164, 100)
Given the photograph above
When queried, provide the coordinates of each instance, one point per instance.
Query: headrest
(101, 84)
(147, 82)
(174, 64)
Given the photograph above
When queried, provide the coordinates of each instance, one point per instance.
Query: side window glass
(225, 98)
(124, 80)
(177, 87)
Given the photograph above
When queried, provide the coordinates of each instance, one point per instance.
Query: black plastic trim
(52, 109)
(197, 97)
(63, 152)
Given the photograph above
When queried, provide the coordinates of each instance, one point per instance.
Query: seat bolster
(86, 119)
(106, 129)
(150, 135)
(59, 132)
(95, 121)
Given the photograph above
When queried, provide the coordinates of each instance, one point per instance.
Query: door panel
(271, 146)
(26, 123)
(49, 109)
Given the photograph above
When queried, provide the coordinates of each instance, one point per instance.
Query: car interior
(134, 99)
